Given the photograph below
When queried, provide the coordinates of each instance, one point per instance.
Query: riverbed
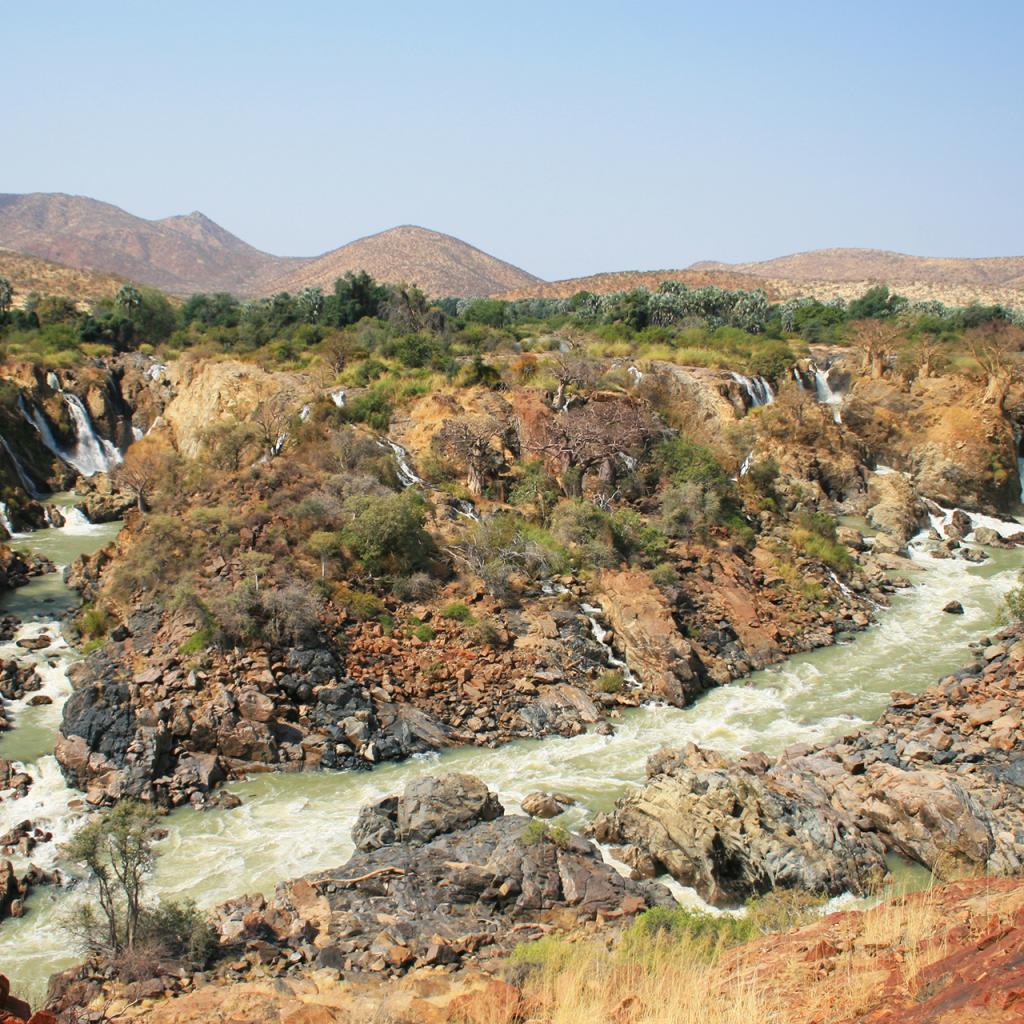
(290, 824)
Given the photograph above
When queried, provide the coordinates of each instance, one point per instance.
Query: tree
(310, 304)
(996, 346)
(270, 419)
(478, 443)
(593, 436)
(385, 532)
(324, 544)
(116, 851)
(6, 294)
(128, 299)
(573, 370)
(146, 464)
(876, 338)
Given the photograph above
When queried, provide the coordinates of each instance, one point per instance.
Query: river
(290, 824)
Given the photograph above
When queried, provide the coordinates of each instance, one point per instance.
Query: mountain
(181, 254)
(33, 274)
(879, 265)
(438, 264)
(623, 280)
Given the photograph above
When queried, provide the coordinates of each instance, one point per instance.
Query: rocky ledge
(937, 779)
(441, 878)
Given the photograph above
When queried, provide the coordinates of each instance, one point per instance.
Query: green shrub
(610, 682)
(551, 952)
(424, 633)
(457, 612)
(1015, 600)
(181, 929)
(539, 831)
(201, 640)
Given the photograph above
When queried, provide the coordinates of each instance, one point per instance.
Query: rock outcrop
(938, 779)
(441, 876)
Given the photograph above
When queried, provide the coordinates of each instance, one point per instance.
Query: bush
(539, 831)
(424, 633)
(385, 532)
(610, 682)
(1015, 600)
(179, 929)
(690, 509)
(457, 612)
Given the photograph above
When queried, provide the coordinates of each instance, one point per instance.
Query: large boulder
(660, 656)
(730, 831)
(431, 805)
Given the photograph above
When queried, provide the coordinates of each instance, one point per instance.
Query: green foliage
(116, 852)
(540, 831)
(385, 533)
(424, 632)
(457, 612)
(684, 461)
(94, 622)
(552, 952)
(359, 604)
(1015, 599)
(763, 475)
(610, 682)
(179, 929)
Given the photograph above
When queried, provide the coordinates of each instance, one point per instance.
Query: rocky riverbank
(937, 779)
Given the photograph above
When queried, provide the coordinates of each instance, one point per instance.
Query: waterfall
(92, 454)
(137, 433)
(406, 474)
(745, 466)
(758, 390)
(601, 636)
(635, 374)
(338, 398)
(26, 480)
(824, 393)
(304, 414)
(5, 519)
(156, 371)
(466, 508)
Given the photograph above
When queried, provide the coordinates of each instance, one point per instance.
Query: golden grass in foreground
(836, 971)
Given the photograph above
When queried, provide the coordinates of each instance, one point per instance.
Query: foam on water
(291, 824)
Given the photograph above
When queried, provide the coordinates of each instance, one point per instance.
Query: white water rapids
(290, 824)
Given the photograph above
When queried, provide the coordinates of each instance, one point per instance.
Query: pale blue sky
(567, 138)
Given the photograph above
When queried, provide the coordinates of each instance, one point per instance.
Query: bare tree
(146, 464)
(593, 436)
(996, 346)
(478, 442)
(270, 418)
(573, 370)
(876, 338)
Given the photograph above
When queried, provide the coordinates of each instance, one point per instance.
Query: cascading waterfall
(338, 398)
(92, 454)
(758, 390)
(23, 476)
(745, 465)
(635, 374)
(824, 393)
(5, 519)
(602, 635)
(405, 472)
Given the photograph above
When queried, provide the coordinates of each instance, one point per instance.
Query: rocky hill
(880, 265)
(33, 274)
(438, 264)
(623, 280)
(181, 254)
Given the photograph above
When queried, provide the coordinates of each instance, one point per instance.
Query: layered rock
(441, 875)
(938, 779)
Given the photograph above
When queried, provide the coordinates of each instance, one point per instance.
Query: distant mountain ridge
(190, 253)
(882, 265)
(438, 264)
(178, 254)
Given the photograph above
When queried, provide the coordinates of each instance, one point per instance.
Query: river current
(290, 824)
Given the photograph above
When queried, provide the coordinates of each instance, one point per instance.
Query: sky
(567, 138)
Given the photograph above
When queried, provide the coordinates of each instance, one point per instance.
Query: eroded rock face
(429, 807)
(939, 778)
(733, 830)
(655, 649)
(894, 507)
(440, 873)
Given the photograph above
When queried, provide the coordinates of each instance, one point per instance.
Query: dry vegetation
(32, 274)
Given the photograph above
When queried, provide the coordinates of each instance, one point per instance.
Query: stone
(953, 608)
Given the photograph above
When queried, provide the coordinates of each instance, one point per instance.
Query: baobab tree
(996, 347)
(477, 442)
(572, 370)
(876, 339)
(592, 437)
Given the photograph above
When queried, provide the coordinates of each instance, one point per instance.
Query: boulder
(430, 805)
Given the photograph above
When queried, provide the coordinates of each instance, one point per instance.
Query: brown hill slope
(879, 265)
(437, 263)
(179, 254)
(626, 279)
(33, 274)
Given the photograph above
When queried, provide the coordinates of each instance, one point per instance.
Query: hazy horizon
(567, 142)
